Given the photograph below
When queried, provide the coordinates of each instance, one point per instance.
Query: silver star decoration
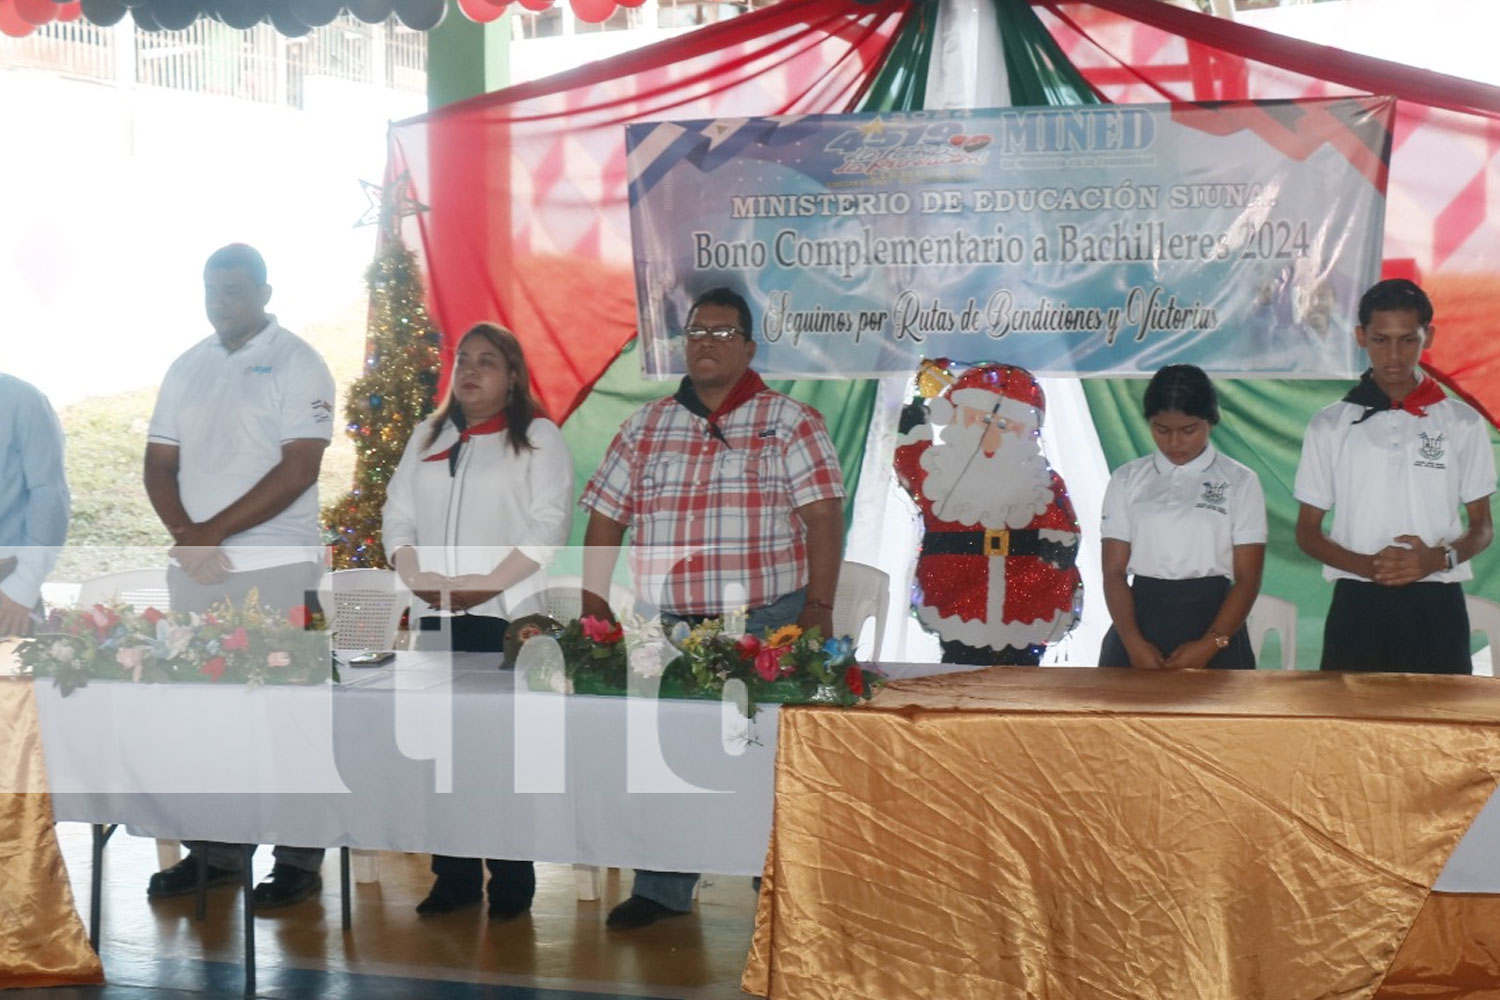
(389, 203)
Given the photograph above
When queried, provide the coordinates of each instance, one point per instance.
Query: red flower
(152, 615)
(299, 617)
(237, 639)
(600, 630)
(748, 646)
(213, 669)
(768, 662)
(854, 678)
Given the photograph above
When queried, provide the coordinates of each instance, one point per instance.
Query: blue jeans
(674, 890)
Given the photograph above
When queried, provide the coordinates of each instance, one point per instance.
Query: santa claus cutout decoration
(996, 578)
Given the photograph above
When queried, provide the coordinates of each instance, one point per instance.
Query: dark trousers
(1421, 628)
(511, 882)
(467, 633)
(1172, 612)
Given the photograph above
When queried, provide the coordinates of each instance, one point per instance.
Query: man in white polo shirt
(232, 462)
(1395, 460)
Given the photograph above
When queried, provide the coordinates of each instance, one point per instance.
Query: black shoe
(286, 885)
(638, 911)
(502, 910)
(182, 879)
(445, 898)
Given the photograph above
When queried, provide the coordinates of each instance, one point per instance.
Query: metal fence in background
(212, 58)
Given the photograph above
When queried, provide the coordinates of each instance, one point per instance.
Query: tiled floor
(560, 951)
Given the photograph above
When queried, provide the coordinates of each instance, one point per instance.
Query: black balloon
(240, 14)
(421, 15)
(143, 17)
(103, 12)
(174, 15)
(369, 11)
(316, 13)
(280, 12)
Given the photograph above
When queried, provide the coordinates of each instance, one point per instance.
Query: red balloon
(36, 12)
(70, 11)
(590, 11)
(630, 3)
(12, 23)
(480, 11)
(535, 5)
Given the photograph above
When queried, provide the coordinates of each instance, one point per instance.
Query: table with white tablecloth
(438, 753)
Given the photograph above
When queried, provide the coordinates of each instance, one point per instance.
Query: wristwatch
(1220, 639)
(1450, 557)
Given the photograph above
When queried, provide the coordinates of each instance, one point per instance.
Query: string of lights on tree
(396, 389)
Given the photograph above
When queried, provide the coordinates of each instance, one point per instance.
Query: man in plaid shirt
(735, 500)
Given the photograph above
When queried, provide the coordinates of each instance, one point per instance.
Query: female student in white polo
(1189, 526)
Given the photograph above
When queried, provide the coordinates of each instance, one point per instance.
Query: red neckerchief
(1374, 400)
(494, 425)
(748, 385)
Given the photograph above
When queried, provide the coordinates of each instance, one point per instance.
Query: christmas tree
(402, 357)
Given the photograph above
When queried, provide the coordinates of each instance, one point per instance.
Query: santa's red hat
(1014, 391)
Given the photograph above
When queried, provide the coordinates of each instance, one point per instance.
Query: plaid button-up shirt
(712, 521)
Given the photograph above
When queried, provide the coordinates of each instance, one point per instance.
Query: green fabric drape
(901, 82)
(1262, 421)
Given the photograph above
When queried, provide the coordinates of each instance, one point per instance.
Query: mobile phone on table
(378, 659)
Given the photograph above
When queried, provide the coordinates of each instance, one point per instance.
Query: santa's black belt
(1004, 542)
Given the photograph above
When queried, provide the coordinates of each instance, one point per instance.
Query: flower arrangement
(785, 665)
(235, 644)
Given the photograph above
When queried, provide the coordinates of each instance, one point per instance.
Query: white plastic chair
(863, 592)
(363, 607)
(1484, 616)
(1274, 614)
(139, 588)
(565, 598)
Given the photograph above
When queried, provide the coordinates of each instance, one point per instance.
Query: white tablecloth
(438, 754)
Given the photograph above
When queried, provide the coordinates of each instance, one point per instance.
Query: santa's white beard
(967, 486)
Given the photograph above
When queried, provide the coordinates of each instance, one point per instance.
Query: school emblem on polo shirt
(1213, 496)
(1432, 451)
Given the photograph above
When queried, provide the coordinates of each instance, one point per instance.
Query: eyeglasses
(719, 333)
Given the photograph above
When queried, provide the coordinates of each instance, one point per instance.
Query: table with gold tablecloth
(1083, 833)
(42, 941)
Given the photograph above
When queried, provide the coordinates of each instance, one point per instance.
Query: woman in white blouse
(475, 510)
(1187, 526)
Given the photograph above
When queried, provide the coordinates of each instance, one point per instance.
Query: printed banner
(1102, 240)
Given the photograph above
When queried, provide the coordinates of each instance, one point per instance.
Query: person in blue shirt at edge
(34, 501)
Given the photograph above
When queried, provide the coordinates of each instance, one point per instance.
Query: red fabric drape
(529, 219)
(1441, 227)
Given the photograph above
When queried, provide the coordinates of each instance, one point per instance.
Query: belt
(1004, 542)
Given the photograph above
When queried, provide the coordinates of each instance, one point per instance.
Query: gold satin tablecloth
(42, 941)
(1080, 833)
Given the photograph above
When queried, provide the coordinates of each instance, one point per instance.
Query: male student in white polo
(1402, 466)
(232, 462)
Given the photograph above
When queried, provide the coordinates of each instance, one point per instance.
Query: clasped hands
(1193, 655)
(1408, 560)
(198, 553)
(452, 593)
